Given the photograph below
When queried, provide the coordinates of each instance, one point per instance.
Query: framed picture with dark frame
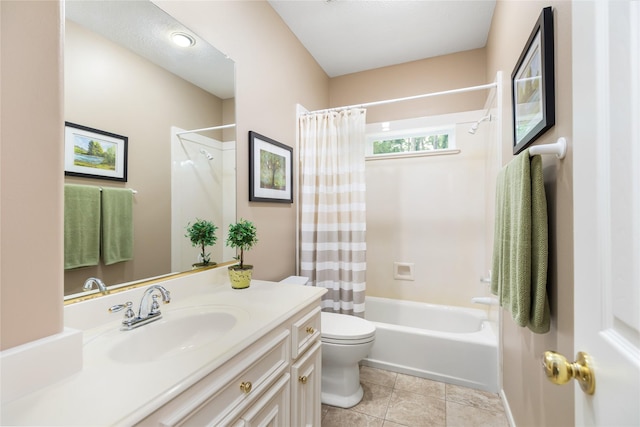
(532, 85)
(93, 153)
(270, 170)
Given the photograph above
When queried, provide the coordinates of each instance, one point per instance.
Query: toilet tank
(296, 280)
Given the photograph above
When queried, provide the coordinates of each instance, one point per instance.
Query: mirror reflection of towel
(81, 226)
(117, 225)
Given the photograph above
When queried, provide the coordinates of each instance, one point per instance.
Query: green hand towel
(117, 225)
(81, 226)
(520, 251)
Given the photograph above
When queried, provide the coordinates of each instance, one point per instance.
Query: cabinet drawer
(271, 410)
(238, 387)
(304, 332)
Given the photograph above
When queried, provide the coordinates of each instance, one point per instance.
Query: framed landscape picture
(532, 85)
(93, 153)
(270, 170)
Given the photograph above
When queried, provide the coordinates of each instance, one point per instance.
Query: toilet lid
(342, 327)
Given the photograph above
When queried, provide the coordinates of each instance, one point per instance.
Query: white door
(606, 155)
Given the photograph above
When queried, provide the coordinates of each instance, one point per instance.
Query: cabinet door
(272, 410)
(305, 388)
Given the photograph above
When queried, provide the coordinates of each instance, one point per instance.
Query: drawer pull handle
(310, 330)
(303, 379)
(245, 387)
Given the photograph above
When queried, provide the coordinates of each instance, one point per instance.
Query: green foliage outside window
(411, 144)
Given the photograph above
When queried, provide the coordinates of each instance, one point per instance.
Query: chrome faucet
(88, 284)
(148, 311)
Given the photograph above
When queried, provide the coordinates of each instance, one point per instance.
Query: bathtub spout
(485, 300)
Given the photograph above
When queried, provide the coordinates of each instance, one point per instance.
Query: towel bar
(559, 148)
(132, 190)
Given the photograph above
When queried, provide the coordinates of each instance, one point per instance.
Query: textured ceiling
(144, 28)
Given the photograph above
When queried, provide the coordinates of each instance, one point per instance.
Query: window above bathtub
(409, 142)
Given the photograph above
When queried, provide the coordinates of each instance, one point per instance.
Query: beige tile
(463, 416)
(421, 386)
(377, 376)
(392, 424)
(375, 400)
(415, 409)
(472, 397)
(324, 411)
(338, 417)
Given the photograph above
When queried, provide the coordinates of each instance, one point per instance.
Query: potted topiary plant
(242, 235)
(202, 234)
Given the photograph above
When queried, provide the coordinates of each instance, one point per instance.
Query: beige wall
(109, 88)
(30, 171)
(534, 401)
(273, 73)
(445, 72)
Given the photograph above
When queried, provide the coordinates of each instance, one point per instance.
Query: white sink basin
(178, 331)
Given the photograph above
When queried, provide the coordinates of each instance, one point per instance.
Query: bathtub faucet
(485, 300)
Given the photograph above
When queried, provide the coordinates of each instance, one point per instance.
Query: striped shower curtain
(332, 207)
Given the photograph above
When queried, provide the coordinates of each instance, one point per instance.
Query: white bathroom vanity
(218, 356)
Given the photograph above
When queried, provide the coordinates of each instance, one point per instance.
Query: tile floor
(394, 400)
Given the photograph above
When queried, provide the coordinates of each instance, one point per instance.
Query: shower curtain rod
(408, 98)
(204, 129)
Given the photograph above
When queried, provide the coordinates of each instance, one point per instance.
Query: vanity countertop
(109, 391)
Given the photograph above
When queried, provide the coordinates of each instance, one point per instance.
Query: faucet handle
(155, 306)
(119, 307)
(128, 314)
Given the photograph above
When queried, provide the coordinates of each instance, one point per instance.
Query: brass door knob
(303, 379)
(560, 371)
(310, 330)
(245, 387)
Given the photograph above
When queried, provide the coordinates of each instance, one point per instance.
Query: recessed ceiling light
(183, 39)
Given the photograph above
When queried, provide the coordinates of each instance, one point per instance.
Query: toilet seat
(345, 329)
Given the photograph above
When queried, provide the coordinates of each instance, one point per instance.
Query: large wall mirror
(123, 75)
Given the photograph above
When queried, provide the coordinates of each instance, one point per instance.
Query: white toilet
(346, 340)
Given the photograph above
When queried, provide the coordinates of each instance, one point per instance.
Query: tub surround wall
(429, 211)
(439, 285)
(543, 404)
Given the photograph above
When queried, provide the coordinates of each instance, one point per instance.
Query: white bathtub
(450, 344)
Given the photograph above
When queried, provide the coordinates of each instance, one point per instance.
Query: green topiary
(202, 234)
(242, 235)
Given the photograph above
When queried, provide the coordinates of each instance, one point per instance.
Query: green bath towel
(520, 247)
(117, 225)
(81, 226)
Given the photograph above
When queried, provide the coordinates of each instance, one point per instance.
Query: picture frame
(93, 153)
(270, 170)
(533, 85)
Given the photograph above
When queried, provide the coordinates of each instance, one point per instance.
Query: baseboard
(507, 409)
